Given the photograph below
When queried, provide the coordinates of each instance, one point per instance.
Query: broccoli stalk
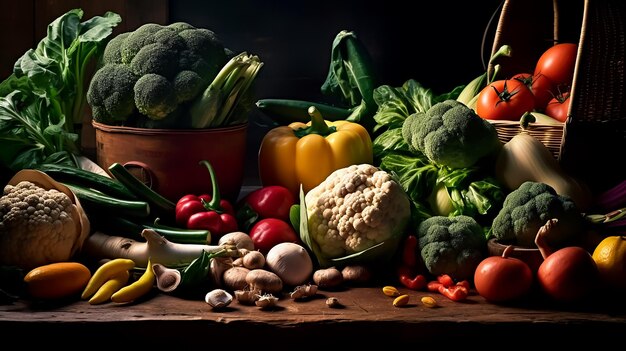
(213, 108)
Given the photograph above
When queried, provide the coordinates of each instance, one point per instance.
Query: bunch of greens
(433, 189)
(44, 99)
(349, 88)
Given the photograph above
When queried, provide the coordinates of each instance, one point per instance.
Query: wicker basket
(588, 144)
(551, 135)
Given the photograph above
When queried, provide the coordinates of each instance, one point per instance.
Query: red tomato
(557, 63)
(500, 279)
(540, 86)
(505, 100)
(270, 232)
(568, 274)
(558, 106)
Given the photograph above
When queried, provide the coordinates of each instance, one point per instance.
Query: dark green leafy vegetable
(351, 78)
(395, 104)
(433, 189)
(44, 98)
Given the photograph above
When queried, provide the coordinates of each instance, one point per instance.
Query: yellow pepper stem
(318, 125)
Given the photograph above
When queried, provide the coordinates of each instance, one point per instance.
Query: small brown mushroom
(253, 260)
(328, 278)
(356, 274)
(235, 278)
(264, 281)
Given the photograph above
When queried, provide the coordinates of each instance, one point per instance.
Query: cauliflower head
(451, 245)
(451, 134)
(37, 226)
(528, 208)
(354, 209)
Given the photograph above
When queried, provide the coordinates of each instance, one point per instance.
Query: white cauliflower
(37, 226)
(354, 209)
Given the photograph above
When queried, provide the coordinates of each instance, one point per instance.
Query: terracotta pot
(168, 159)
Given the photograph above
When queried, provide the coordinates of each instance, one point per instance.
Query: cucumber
(132, 228)
(88, 179)
(97, 201)
(141, 190)
(285, 111)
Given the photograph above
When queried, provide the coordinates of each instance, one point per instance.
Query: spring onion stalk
(214, 107)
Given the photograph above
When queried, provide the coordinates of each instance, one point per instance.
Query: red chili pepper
(409, 251)
(445, 280)
(417, 283)
(433, 286)
(454, 293)
(464, 283)
(207, 212)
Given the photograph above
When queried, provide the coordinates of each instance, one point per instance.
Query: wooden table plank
(366, 313)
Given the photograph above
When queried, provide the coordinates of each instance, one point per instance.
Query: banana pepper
(307, 153)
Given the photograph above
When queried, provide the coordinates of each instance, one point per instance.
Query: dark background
(437, 43)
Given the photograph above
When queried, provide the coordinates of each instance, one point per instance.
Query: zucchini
(87, 179)
(142, 191)
(285, 111)
(99, 201)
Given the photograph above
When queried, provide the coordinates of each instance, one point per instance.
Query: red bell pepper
(207, 212)
(273, 201)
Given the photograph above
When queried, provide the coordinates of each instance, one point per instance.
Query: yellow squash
(307, 153)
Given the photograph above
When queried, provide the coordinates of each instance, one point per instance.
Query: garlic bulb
(218, 298)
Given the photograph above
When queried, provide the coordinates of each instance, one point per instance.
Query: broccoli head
(451, 134)
(528, 208)
(451, 245)
(185, 58)
(154, 96)
(110, 94)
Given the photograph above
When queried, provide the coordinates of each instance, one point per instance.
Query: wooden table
(367, 316)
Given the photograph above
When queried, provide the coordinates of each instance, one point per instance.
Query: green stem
(214, 204)
(318, 125)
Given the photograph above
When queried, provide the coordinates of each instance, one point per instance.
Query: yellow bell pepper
(307, 153)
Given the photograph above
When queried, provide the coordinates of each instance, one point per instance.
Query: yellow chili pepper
(307, 153)
(138, 288)
(110, 287)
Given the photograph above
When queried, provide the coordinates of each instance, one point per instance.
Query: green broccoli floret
(187, 85)
(154, 96)
(529, 207)
(451, 245)
(451, 134)
(111, 95)
(155, 58)
(113, 50)
(137, 39)
(185, 58)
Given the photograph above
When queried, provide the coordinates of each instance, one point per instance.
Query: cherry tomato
(270, 232)
(557, 107)
(505, 100)
(557, 63)
(540, 86)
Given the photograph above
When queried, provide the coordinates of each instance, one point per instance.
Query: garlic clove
(266, 301)
(218, 298)
(247, 297)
